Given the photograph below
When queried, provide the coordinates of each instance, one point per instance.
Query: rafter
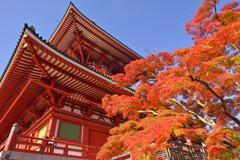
(79, 39)
(36, 59)
(104, 40)
(74, 20)
(60, 39)
(78, 78)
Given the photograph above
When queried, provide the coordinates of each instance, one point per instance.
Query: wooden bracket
(29, 46)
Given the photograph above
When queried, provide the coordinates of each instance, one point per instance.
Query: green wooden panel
(42, 132)
(69, 131)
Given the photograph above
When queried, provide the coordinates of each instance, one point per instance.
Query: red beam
(64, 115)
(101, 61)
(79, 41)
(89, 53)
(101, 88)
(37, 62)
(81, 52)
(102, 39)
(63, 92)
(78, 78)
(35, 58)
(78, 37)
(11, 108)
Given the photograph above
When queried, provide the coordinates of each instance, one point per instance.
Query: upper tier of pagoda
(82, 39)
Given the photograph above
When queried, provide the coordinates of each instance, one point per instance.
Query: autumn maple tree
(192, 93)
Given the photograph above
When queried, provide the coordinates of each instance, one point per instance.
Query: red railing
(2, 146)
(53, 147)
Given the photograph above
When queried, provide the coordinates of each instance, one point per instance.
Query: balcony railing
(2, 146)
(36, 145)
(183, 152)
(28, 144)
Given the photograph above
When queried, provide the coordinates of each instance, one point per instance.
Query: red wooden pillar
(51, 127)
(12, 139)
(86, 139)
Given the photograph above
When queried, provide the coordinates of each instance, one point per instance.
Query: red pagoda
(51, 91)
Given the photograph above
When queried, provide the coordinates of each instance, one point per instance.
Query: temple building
(51, 91)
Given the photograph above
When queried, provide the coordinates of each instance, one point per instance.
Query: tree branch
(231, 71)
(228, 87)
(223, 105)
(215, 10)
(237, 49)
(199, 102)
(148, 111)
(211, 123)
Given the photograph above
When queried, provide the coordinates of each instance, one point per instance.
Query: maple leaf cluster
(192, 93)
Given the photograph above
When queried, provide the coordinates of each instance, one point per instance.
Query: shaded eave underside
(53, 48)
(19, 105)
(107, 42)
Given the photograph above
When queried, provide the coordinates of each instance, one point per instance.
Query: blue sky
(139, 24)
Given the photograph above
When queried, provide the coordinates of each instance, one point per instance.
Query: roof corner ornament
(32, 28)
(26, 46)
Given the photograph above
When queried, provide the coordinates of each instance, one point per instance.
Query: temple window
(69, 131)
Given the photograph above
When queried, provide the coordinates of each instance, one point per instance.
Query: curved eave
(73, 61)
(13, 54)
(29, 30)
(19, 105)
(71, 6)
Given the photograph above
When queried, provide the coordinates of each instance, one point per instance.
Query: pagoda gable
(83, 40)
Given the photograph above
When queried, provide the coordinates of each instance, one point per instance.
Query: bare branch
(148, 111)
(208, 122)
(199, 102)
(231, 71)
(237, 49)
